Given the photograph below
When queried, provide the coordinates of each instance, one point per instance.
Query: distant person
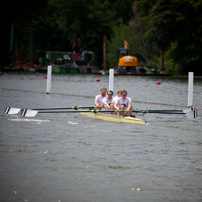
(99, 98)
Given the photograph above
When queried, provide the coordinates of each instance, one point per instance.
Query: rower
(118, 95)
(99, 98)
(124, 103)
(109, 101)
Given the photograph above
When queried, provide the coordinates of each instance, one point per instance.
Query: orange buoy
(45, 77)
(158, 83)
(98, 80)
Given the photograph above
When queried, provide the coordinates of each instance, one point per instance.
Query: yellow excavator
(127, 63)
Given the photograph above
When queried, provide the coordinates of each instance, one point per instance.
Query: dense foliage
(151, 27)
(176, 27)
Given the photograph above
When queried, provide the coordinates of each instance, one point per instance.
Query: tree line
(153, 28)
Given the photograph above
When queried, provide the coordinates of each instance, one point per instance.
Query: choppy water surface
(67, 157)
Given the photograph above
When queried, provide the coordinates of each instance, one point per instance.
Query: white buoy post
(111, 79)
(190, 89)
(49, 73)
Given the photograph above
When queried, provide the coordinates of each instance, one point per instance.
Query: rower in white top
(109, 101)
(118, 95)
(124, 103)
(99, 98)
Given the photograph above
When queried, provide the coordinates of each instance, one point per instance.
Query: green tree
(56, 24)
(31, 17)
(123, 9)
(87, 20)
(178, 22)
(46, 36)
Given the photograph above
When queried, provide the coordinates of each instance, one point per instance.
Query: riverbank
(89, 70)
(75, 69)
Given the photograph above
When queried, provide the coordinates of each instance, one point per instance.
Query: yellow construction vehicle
(127, 63)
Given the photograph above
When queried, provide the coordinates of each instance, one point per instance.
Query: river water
(68, 157)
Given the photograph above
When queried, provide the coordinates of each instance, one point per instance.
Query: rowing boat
(113, 118)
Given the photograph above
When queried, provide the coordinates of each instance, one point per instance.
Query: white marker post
(49, 73)
(190, 89)
(111, 79)
(190, 112)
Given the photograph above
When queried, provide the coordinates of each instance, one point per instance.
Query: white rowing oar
(32, 113)
(190, 112)
(160, 111)
(12, 110)
(75, 107)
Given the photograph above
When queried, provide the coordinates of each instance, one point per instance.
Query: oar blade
(11, 110)
(191, 113)
(187, 110)
(29, 113)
